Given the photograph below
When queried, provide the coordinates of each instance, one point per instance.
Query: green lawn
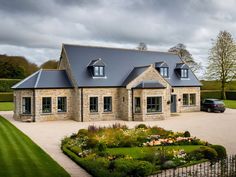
(21, 157)
(6, 106)
(139, 152)
(230, 104)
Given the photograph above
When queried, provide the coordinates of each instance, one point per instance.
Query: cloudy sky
(37, 29)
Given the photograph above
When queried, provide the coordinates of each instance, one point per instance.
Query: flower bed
(142, 151)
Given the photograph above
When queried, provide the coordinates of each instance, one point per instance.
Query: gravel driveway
(217, 128)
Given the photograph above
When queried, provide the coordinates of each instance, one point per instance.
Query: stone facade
(123, 99)
(36, 104)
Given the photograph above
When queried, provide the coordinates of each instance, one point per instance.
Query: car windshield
(218, 102)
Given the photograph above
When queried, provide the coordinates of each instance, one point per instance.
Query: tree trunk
(223, 96)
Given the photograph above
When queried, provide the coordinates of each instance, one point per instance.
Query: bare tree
(222, 60)
(181, 50)
(142, 46)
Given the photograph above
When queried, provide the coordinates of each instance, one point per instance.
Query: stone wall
(179, 91)
(100, 93)
(18, 95)
(39, 94)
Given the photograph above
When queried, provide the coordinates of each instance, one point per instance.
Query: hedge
(6, 97)
(6, 84)
(211, 94)
(231, 95)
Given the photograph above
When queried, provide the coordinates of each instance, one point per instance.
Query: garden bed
(142, 151)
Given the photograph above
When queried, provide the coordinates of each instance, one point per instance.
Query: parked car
(213, 105)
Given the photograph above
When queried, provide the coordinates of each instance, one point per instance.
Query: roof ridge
(146, 66)
(37, 80)
(118, 48)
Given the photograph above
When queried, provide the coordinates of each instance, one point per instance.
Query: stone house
(99, 83)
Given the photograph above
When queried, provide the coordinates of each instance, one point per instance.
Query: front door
(173, 103)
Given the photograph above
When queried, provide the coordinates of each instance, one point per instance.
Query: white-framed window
(164, 71)
(99, 71)
(184, 73)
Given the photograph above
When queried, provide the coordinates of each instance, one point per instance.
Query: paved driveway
(216, 128)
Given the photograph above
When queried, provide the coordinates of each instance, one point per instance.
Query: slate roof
(160, 64)
(119, 64)
(150, 84)
(45, 79)
(134, 73)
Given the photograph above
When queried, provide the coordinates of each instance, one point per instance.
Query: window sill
(93, 113)
(189, 105)
(49, 113)
(107, 112)
(26, 114)
(152, 113)
(62, 112)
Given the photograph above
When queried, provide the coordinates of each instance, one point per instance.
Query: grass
(21, 157)
(139, 152)
(230, 104)
(6, 106)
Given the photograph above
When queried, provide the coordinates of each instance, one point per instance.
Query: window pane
(101, 71)
(26, 105)
(93, 105)
(137, 105)
(96, 71)
(61, 104)
(154, 104)
(192, 100)
(107, 104)
(184, 73)
(46, 105)
(185, 99)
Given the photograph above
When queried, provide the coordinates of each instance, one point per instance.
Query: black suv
(213, 105)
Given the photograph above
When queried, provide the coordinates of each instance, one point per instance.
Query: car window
(218, 102)
(207, 101)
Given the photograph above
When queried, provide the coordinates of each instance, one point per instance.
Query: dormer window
(181, 70)
(98, 71)
(184, 73)
(164, 71)
(97, 68)
(162, 68)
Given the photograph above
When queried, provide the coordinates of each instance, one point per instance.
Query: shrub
(82, 132)
(101, 146)
(76, 149)
(133, 167)
(141, 126)
(169, 164)
(187, 134)
(221, 151)
(6, 97)
(92, 143)
(203, 152)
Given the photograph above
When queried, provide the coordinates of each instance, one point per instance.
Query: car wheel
(222, 111)
(208, 109)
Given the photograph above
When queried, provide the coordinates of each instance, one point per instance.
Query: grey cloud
(44, 25)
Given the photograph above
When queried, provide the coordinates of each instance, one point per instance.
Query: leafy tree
(222, 60)
(16, 64)
(50, 64)
(11, 71)
(142, 46)
(181, 50)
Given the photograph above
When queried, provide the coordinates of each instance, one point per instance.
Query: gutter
(81, 105)
(132, 104)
